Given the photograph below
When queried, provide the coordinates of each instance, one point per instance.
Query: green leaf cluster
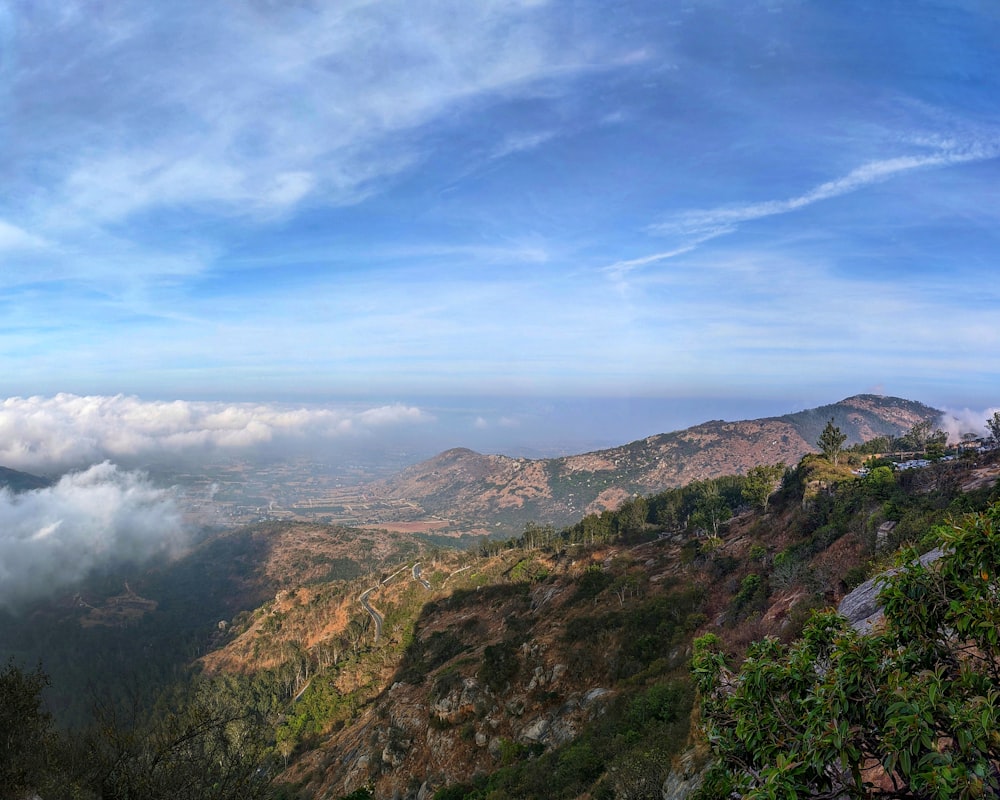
(910, 711)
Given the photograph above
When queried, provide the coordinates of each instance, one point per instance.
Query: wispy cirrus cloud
(13, 238)
(523, 142)
(176, 126)
(695, 227)
(259, 107)
(619, 271)
(708, 223)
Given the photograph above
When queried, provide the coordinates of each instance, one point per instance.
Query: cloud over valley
(52, 538)
(51, 434)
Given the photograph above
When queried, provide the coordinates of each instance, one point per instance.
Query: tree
(711, 510)
(935, 450)
(537, 536)
(209, 746)
(26, 737)
(830, 442)
(761, 482)
(920, 436)
(909, 711)
(631, 515)
(993, 426)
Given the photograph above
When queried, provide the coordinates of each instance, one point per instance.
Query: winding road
(416, 576)
(374, 614)
(363, 599)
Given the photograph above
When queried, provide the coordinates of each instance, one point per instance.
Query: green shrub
(499, 666)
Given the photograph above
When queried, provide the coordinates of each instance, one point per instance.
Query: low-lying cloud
(51, 434)
(52, 538)
(957, 423)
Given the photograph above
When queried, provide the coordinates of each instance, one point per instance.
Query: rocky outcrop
(682, 783)
(861, 607)
(440, 732)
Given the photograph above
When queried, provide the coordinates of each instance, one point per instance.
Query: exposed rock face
(861, 606)
(479, 691)
(682, 783)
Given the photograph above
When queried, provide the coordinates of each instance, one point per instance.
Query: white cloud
(956, 422)
(13, 238)
(709, 223)
(257, 106)
(620, 270)
(51, 538)
(53, 433)
(522, 142)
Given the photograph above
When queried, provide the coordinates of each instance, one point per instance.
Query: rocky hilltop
(497, 492)
(15, 481)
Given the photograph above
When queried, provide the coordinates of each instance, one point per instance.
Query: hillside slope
(553, 666)
(499, 493)
(16, 481)
(560, 670)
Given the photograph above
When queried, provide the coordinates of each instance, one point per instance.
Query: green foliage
(752, 596)
(878, 445)
(211, 743)
(993, 426)
(919, 700)
(920, 437)
(880, 482)
(761, 482)
(855, 576)
(320, 706)
(830, 442)
(711, 511)
(499, 666)
(427, 653)
(632, 739)
(528, 571)
(457, 791)
(647, 631)
(359, 794)
(659, 703)
(631, 517)
(935, 451)
(26, 738)
(591, 583)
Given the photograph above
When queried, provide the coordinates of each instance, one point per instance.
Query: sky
(511, 214)
(523, 226)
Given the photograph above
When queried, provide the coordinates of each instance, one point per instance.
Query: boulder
(861, 606)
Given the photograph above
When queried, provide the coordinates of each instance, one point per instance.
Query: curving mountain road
(416, 576)
(374, 614)
(363, 598)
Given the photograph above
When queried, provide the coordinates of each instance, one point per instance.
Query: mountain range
(497, 493)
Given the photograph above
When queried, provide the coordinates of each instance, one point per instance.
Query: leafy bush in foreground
(910, 711)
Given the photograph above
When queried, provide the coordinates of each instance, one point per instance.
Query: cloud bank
(956, 423)
(52, 538)
(51, 434)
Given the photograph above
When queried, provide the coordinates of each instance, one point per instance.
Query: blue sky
(776, 204)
